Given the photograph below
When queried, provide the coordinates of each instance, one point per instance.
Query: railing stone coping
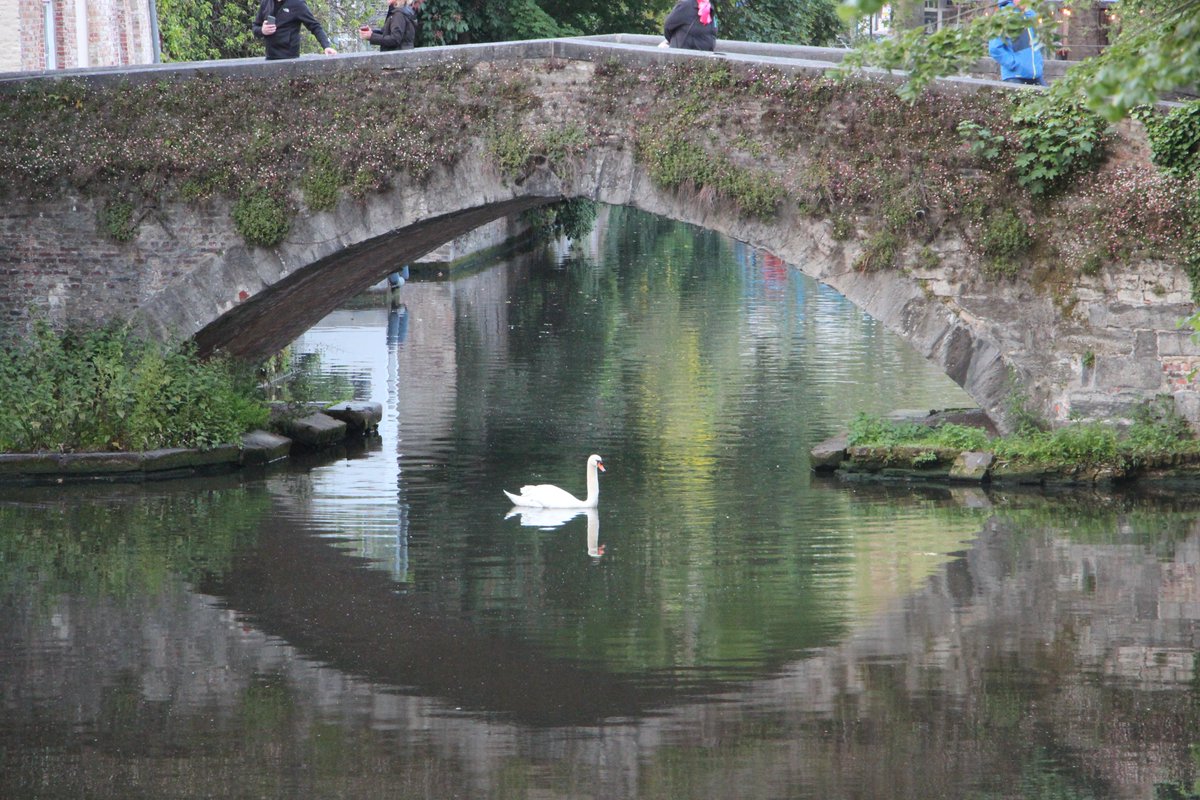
(631, 49)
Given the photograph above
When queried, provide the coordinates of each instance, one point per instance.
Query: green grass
(1156, 432)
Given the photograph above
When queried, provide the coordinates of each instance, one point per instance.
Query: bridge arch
(251, 302)
(188, 272)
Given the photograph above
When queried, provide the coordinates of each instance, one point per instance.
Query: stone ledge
(315, 430)
(360, 417)
(256, 449)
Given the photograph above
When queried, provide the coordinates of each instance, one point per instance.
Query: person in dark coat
(278, 23)
(691, 25)
(399, 31)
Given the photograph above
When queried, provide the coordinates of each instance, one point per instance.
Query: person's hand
(364, 32)
(329, 51)
(664, 43)
(268, 28)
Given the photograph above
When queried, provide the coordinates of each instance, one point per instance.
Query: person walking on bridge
(1020, 59)
(278, 23)
(691, 25)
(399, 31)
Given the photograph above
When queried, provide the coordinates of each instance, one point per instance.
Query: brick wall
(118, 33)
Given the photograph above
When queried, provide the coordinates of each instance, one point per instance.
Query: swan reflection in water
(548, 519)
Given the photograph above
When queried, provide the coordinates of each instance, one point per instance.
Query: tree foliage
(808, 22)
(1155, 49)
(201, 30)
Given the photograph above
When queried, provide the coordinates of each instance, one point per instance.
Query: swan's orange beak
(600, 466)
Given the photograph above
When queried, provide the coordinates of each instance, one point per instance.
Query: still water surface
(377, 623)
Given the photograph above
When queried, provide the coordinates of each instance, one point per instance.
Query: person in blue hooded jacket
(1020, 59)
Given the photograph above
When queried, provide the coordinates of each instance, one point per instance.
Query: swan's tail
(516, 498)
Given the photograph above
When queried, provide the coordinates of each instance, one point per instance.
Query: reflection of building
(61, 34)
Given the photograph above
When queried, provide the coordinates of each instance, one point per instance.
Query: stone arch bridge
(1112, 344)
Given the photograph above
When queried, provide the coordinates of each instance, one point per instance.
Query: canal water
(378, 623)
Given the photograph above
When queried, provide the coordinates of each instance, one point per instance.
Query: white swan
(546, 496)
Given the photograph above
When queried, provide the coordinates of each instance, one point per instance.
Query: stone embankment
(313, 431)
(932, 464)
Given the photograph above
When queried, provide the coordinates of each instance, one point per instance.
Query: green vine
(1175, 148)
(1174, 138)
(1059, 139)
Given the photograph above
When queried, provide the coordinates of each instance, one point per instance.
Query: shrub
(107, 389)
(261, 218)
(1157, 428)
(321, 182)
(1005, 239)
(881, 252)
(512, 148)
(117, 220)
(572, 218)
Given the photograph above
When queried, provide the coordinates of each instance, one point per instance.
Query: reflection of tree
(121, 543)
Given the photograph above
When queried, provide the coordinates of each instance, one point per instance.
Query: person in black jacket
(691, 25)
(278, 23)
(399, 31)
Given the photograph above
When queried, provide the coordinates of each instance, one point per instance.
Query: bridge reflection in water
(302, 634)
(303, 669)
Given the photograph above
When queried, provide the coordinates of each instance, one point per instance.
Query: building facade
(63, 34)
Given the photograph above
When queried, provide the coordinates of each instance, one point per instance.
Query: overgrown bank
(106, 404)
(1158, 445)
(109, 390)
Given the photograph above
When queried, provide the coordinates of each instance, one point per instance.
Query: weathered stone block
(1177, 343)
(221, 454)
(263, 447)
(167, 459)
(1023, 475)
(829, 454)
(923, 459)
(1128, 373)
(17, 464)
(99, 463)
(971, 466)
(315, 430)
(359, 416)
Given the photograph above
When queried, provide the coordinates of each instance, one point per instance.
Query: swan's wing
(544, 495)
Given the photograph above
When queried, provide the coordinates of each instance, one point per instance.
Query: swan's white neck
(593, 487)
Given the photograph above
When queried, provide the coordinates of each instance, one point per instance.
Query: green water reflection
(121, 541)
